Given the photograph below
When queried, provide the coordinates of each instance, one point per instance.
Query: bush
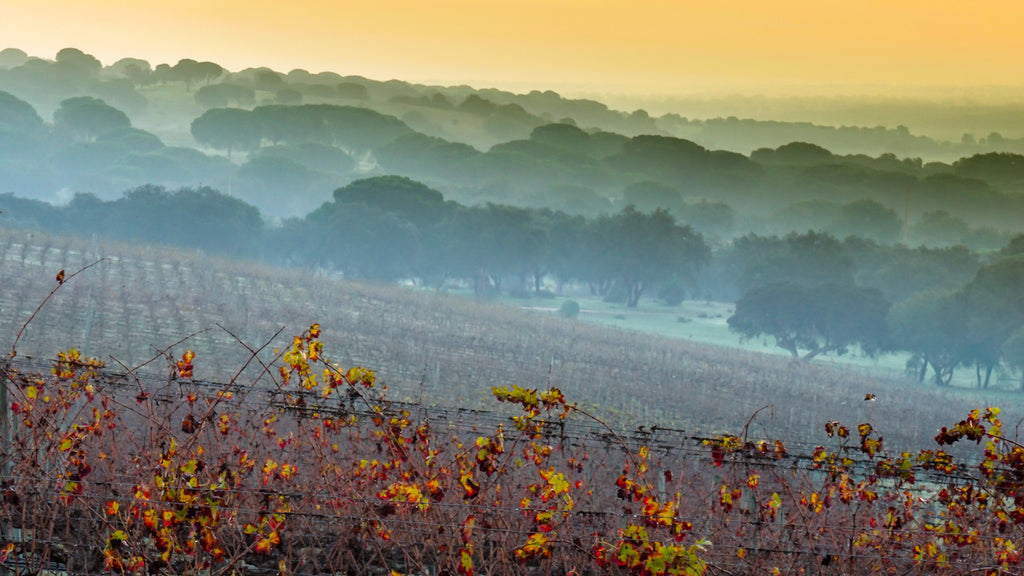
(569, 309)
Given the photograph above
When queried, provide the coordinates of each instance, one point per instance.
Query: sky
(630, 47)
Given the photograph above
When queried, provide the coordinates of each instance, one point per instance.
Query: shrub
(569, 309)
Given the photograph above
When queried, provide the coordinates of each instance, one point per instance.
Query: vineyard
(163, 419)
(139, 306)
(318, 472)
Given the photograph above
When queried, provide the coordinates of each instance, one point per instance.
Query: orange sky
(641, 46)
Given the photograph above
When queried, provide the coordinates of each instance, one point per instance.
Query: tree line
(812, 292)
(947, 307)
(506, 115)
(299, 135)
(296, 151)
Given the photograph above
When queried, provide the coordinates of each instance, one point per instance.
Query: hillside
(282, 142)
(436, 348)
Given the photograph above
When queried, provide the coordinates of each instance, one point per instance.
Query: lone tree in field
(829, 318)
(642, 250)
(931, 325)
(995, 310)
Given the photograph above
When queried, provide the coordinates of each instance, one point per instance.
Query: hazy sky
(641, 46)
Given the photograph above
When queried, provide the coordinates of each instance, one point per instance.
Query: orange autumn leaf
(185, 364)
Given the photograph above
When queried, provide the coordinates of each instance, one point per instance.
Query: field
(705, 322)
(439, 349)
(324, 475)
(632, 453)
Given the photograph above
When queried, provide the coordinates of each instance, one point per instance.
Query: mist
(282, 283)
(694, 217)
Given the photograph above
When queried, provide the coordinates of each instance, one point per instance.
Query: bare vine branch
(62, 279)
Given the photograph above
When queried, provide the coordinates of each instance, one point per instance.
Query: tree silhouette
(227, 129)
(87, 117)
(829, 318)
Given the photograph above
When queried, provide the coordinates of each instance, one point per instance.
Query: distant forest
(524, 194)
(283, 142)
